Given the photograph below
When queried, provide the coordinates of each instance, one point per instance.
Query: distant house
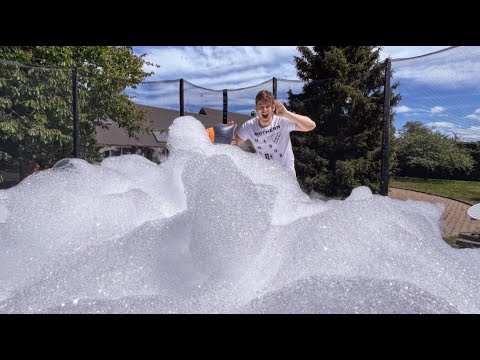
(113, 140)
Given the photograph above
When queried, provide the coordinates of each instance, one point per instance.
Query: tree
(425, 153)
(344, 95)
(474, 150)
(36, 116)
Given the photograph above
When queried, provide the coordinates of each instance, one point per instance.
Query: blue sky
(440, 90)
(231, 67)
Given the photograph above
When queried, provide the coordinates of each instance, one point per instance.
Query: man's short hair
(264, 95)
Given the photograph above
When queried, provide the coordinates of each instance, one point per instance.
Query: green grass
(467, 191)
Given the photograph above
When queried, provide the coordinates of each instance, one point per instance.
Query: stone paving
(455, 217)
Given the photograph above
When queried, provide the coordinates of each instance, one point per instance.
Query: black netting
(197, 98)
(284, 86)
(242, 100)
(165, 94)
(439, 90)
(162, 93)
(442, 91)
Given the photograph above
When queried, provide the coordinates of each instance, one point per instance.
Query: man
(270, 133)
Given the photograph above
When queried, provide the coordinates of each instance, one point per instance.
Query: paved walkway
(455, 217)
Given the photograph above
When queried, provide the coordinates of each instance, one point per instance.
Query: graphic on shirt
(276, 136)
(264, 132)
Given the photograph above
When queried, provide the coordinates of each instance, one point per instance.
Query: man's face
(264, 109)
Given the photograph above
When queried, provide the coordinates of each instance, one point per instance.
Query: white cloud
(456, 67)
(219, 67)
(437, 109)
(471, 133)
(403, 109)
(475, 115)
(232, 67)
(441, 125)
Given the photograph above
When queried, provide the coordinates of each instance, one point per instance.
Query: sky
(206, 231)
(232, 67)
(440, 90)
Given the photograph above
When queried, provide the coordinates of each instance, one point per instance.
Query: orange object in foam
(211, 134)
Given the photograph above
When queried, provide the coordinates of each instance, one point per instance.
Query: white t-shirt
(271, 142)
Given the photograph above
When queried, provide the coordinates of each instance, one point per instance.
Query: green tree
(474, 150)
(425, 153)
(36, 116)
(344, 95)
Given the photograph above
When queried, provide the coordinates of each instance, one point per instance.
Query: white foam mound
(214, 229)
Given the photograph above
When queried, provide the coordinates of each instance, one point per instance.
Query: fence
(440, 90)
(184, 96)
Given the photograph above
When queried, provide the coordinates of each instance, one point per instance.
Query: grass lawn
(467, 191)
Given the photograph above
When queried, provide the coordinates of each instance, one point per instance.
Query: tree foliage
(425, 153)
(344, 95)
(474, 150)
(36, 110)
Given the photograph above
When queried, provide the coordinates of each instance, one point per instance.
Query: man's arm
(302, 122)
(238, 140)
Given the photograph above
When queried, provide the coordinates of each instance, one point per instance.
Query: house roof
(160, 119)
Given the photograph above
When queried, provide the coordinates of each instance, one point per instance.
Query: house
(113, 140)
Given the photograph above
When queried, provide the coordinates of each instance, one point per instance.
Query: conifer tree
(344, 95)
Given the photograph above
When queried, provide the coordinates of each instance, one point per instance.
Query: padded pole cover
(223, 133)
